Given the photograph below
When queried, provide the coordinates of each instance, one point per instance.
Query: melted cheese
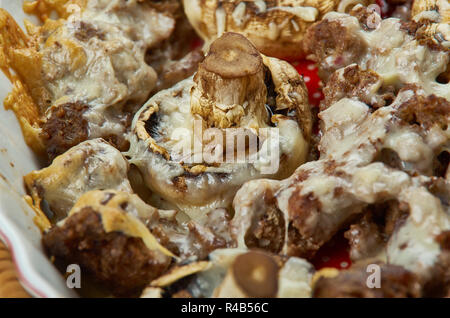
(207, 185)
(91, 165)
(347, 178)
(114, 218)
(398, 58)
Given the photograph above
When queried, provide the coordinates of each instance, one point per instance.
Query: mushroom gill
(241, 116)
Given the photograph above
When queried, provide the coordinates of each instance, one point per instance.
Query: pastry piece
(242, 116)
(237, 273)
(83, 76)
(356, 169)
(399, 53)
(91, 165)
(276, 27)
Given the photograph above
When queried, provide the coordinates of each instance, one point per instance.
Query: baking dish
(17, 229)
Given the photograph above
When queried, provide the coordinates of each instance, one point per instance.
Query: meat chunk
(331, 40)
(425, 111)
(65, 128)
(121, 262)
(174, 59)
(439, 284)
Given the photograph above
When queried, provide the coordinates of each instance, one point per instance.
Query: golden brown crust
(276, 27)
(18, 53)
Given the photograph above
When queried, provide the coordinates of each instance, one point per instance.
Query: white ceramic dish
(17, 229)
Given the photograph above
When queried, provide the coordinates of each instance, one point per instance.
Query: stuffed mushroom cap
(241, 116)
(276, 27)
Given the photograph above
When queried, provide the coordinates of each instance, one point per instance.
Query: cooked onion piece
(299, 214)
(399, 52)
(276, 28)
(84, 76)
(91, 165)
(239, 273)
(261, 99)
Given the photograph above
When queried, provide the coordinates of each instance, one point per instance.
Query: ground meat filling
(368, 236)
(330, 38)
(65, 128)
(174, 59)
(395, 282)
(441, 164)
(122, 263)
(268, 232)
(353, 82)
(425, 111)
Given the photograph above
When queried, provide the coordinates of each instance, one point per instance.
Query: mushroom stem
(253, 274)
(229, 89)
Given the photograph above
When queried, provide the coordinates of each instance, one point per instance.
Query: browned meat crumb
(331, 38)
(368, 236)
(65, 128)
(353, 82)
(122, 263)
(268, 232)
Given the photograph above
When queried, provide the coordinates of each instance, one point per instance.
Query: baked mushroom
(91, 165)
(242, 116)
(238, 273)
(85, 75)
(277, 28)
(399, 52)
(355, 170)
